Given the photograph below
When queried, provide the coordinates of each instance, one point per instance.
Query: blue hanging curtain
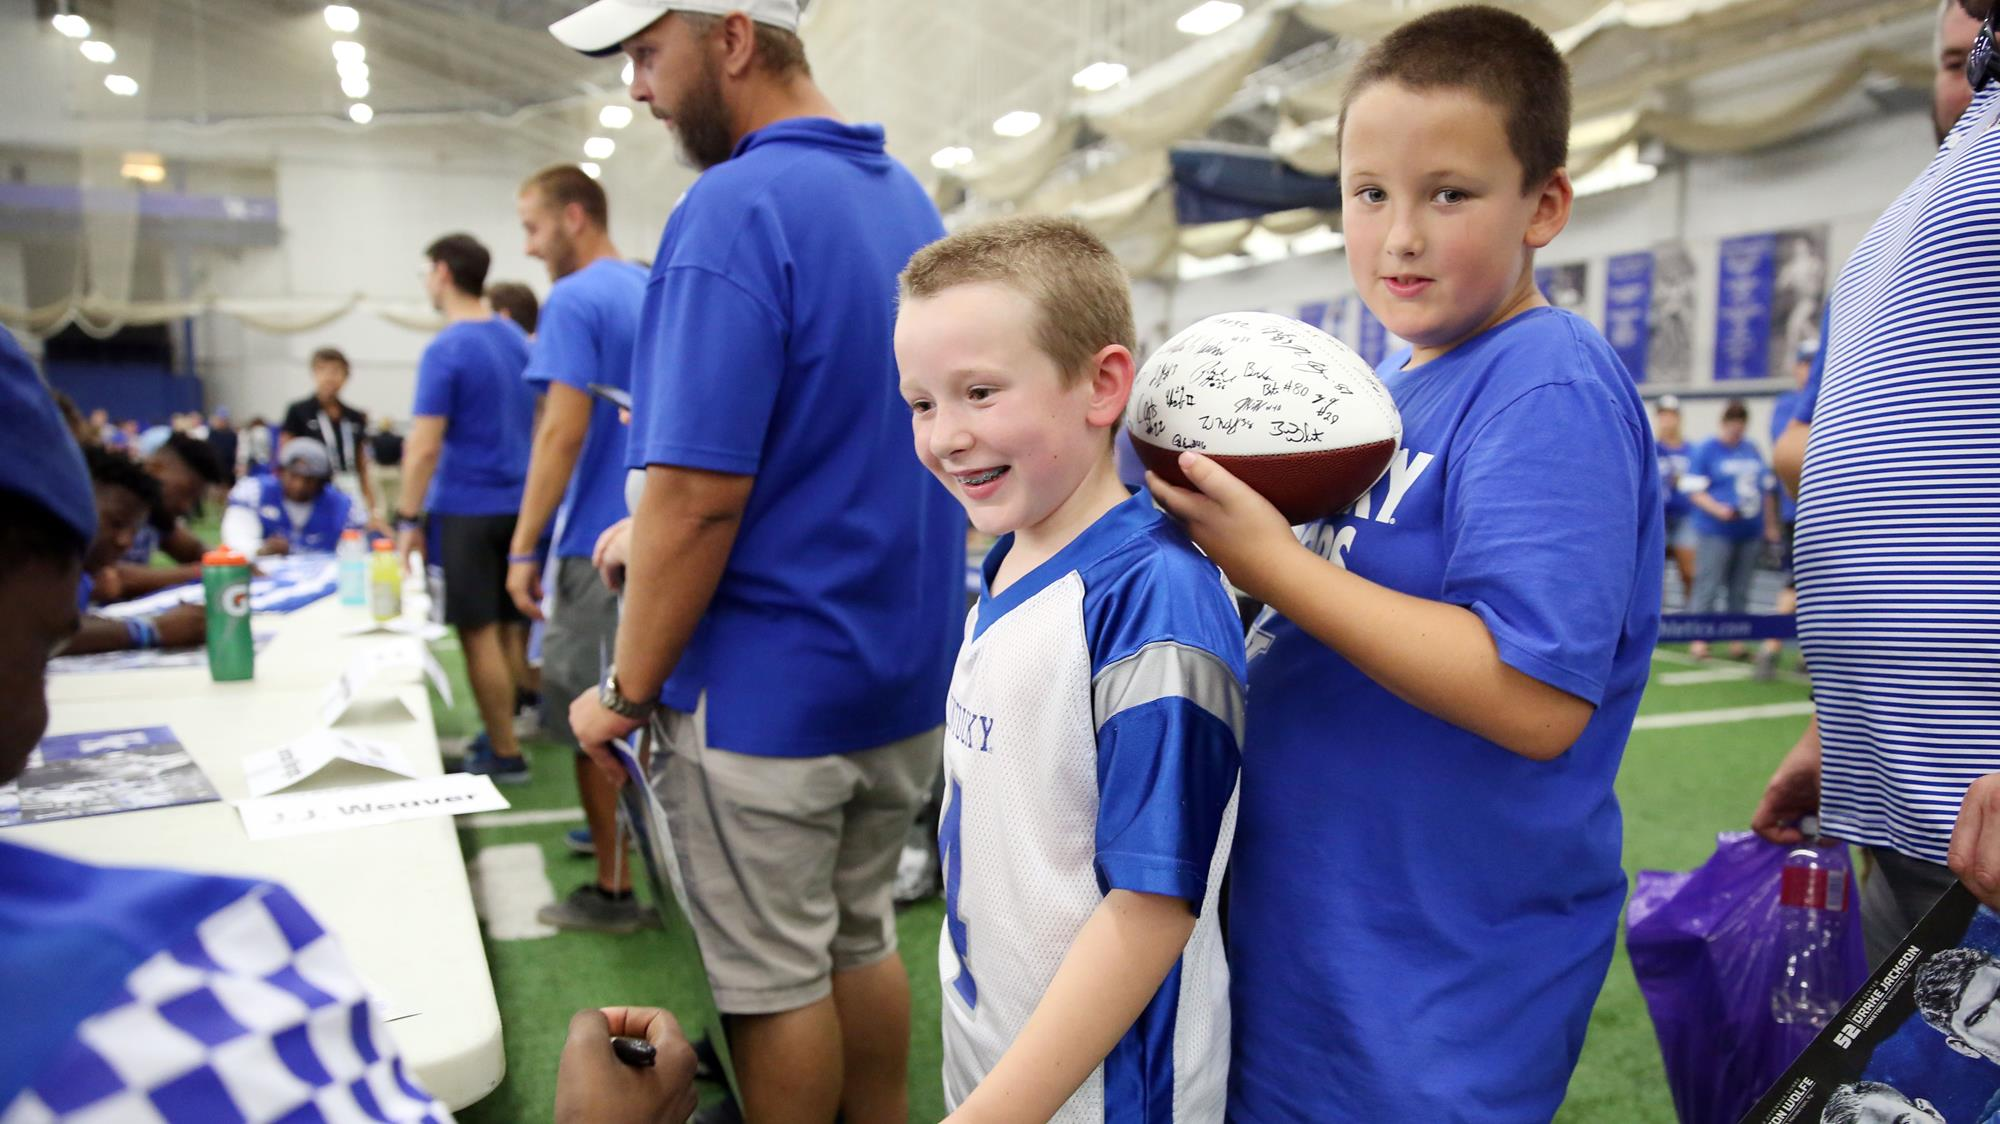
(1218, 183)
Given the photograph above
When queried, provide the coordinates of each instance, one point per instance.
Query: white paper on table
(339, 809)
(342, 692)
(273, 769)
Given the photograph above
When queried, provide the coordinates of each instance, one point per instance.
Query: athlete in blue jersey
(1093, 721)
(295, 512)
(1426, 884)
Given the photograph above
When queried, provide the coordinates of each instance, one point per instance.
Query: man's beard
(701, 122)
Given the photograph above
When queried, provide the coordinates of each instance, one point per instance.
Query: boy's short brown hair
(332, 356)
(1503, 59)
(1081, 294)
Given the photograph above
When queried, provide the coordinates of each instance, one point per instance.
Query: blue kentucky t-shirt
(1736, 478)
(765, 350)
(1673, 466)
(1420, 919)
(470, 375)
(583, 336)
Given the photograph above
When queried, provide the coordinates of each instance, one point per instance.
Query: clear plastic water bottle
(353, 556)
(1811, 898)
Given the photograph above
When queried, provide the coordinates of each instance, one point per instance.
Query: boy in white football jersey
(1095, 709)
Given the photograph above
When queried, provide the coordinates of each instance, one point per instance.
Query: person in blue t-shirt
(1672, 450)
(794, 581)
(577, 477)
(463, 466)
(1426, 883)
(1735, 513)
(298, 511)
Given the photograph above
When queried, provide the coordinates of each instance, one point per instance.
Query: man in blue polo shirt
(472, 422)
(577, 476)
(793, 583)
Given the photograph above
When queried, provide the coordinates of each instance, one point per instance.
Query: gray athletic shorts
(583, 626)
(789, 862)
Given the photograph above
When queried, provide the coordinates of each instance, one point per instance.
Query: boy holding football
(1427, 884)
(1092, 727)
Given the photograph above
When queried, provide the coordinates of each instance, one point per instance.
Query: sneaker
(1764, 666)
(481, 759)
(527, 724)
(589, 910)
(580, 842)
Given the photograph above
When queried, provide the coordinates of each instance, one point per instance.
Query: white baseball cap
(601, 27)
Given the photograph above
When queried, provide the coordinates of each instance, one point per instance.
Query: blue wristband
(522, 559)
(141, 632)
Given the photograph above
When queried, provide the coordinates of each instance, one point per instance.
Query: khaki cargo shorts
(789, 862)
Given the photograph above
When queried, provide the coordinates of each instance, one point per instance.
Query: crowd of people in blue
(750, 476)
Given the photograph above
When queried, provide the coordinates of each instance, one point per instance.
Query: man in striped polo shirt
(1898, 550)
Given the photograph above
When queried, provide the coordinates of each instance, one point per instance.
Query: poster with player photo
(1670, 317)
(1565, 285)
(104, 771)
(1915, 1045)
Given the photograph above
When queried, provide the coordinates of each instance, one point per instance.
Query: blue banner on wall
(1748, 269)
(1628, 295)
(1373, 343)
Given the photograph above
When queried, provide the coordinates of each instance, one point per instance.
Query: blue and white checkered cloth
(256, 1016)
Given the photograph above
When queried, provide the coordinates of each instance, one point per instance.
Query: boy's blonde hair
(1082, 297)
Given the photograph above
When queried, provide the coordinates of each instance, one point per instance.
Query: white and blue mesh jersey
(1091, 744)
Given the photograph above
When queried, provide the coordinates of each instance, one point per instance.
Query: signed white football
(1286, 408)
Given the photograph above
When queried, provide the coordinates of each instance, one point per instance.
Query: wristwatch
(614, 700)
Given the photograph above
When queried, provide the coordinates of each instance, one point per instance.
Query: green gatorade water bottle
(225, 580)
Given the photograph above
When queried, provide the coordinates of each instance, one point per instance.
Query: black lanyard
(341, 446)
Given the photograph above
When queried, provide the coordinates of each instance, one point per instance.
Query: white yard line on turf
(509, 883)
(1717, 717)
(531, 818)
(1668, 655)
(1703, 675)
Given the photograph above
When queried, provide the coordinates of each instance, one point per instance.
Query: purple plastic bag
(1707, 947)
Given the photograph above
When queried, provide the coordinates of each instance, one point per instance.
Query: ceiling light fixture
(347, 50)
(71, 24)
(1099, 76)
(97, 51)
(121, 85)
(625, 75)
(144, 167)
(1209, 18)
(599, 148)
(342, 18)
(1019, 123)
(351, 70)
(951, 156)
(354, 87)
(359, 113)
(590, 168)
(615, 116)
